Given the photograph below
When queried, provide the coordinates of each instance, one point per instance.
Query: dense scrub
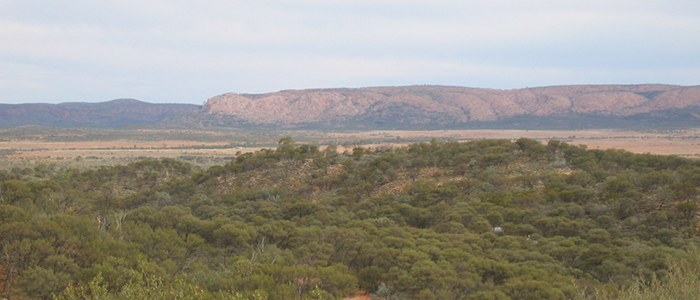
(487, 219)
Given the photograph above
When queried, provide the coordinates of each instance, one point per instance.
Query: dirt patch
(360, 296)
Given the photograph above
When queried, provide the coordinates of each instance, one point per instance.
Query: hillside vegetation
(486, 219)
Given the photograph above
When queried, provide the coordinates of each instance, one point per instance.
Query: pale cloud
(187, 51)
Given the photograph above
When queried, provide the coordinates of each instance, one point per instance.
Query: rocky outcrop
(446, 104)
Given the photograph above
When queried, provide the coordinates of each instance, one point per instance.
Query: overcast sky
(186, 51)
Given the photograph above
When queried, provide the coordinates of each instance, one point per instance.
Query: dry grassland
(104, 149)
(682, 142)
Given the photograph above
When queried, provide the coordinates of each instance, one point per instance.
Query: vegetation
(486, 219)
(682, 283)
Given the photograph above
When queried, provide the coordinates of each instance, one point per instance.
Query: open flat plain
(684, 143)
(215, 147)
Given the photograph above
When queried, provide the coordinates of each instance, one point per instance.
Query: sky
(184, 51)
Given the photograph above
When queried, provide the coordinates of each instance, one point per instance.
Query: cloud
(187, 51)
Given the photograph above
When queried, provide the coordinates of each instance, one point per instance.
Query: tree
(15, 192)
(41, 283)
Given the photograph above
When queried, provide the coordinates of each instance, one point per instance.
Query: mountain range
(416, 107)
(115, 113)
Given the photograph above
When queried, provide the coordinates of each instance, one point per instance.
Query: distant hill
(115, 113)
(409, 107)
(579, 106)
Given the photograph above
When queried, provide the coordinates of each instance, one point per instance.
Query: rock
(447, 104)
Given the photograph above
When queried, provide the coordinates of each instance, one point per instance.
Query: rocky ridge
(447, 104)
(409, 107)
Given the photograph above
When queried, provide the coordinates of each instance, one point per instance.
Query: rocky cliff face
(446, 105)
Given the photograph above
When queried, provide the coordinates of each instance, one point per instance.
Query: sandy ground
(683, 143)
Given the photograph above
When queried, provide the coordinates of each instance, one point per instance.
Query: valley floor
(684, 143)
(217, 146)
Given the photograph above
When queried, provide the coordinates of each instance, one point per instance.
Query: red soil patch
(362, 295)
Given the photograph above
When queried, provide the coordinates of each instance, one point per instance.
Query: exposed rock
(447, 104)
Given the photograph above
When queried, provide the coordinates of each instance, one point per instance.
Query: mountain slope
(419, 106)
(105, 114)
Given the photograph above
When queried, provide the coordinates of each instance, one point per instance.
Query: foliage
(485, 219)
(681, 282)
